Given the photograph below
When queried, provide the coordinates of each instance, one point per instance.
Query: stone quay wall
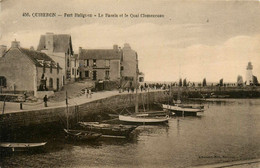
(80, 112)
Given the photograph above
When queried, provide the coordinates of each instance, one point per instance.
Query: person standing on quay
(45, 100)
(90, 93)
(86, 92)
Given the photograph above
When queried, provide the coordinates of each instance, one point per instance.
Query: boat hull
(21, 146)
(81, 134)
(180, 111)
(143, 120)
(108, 129)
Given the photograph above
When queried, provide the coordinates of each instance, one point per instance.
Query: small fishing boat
(81, 134)
(193, 106)
(179, 108)
(78, 134)
(153, 114)
(143, 120)
(108, 130)
(182, 111)
(20, 146)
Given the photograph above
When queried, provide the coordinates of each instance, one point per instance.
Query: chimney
(49, 41)
(3, 49)
(15, 44)
(249, 66)
(115, 47)
(127, 46)
(80, 49)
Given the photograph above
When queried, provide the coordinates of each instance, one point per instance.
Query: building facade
(99, 64)
(25, 70)
(129, 66)
(110, 64)
(74, 62)
(59, 48)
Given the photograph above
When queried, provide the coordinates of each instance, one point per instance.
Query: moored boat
(108, 130)
(81, 134)
(20, 146)
(182, 111)
(143, 120)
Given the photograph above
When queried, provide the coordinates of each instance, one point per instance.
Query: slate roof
(37, 57)
(61, 43)
(99, 54)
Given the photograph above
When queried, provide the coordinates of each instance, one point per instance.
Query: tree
(255, 81)
(204, 83)
(180, 82)
(240, 80)
(184, 82)
(221, 82)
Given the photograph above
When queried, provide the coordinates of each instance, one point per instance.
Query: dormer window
(41, 62)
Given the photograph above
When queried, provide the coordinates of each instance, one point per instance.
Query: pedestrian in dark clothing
(142, 87)
(45, 100)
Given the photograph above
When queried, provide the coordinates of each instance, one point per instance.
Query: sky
(195, 39)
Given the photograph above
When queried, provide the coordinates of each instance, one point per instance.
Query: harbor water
(228, 130)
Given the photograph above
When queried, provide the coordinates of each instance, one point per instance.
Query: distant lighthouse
(249, 74)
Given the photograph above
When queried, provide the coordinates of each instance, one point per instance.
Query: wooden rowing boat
(81, 134)
(14, 146)
(146, 120)
(108, 129)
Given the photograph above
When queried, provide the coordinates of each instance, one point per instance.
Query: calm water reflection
(227, 131)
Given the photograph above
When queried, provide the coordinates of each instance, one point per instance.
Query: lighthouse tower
(249, 74)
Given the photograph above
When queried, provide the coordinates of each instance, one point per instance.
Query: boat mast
(67, 110)
(136, 86)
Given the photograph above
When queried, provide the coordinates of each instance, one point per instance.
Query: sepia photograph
(117, 83)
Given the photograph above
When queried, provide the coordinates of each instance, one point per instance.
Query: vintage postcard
(117, 83)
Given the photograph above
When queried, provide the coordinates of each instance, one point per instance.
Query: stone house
(59, 48)
(115, 64)
(129, 66)
(25, 70)
(99, 64)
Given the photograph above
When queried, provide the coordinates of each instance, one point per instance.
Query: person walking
(86, 92)
(45, 100)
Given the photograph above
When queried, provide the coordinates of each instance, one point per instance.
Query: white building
(249, 74)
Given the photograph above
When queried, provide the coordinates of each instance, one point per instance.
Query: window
(68, 74)
(58, 68)
(122, 68)
(50, 68)
(107, 75)
(2, 81)
(87, 74)
(72, 71)
(107, 63)
(86, 62)
(68, 62)
(141, 79)
(94, 62)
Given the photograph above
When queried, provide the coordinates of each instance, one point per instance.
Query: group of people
(88, 93)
